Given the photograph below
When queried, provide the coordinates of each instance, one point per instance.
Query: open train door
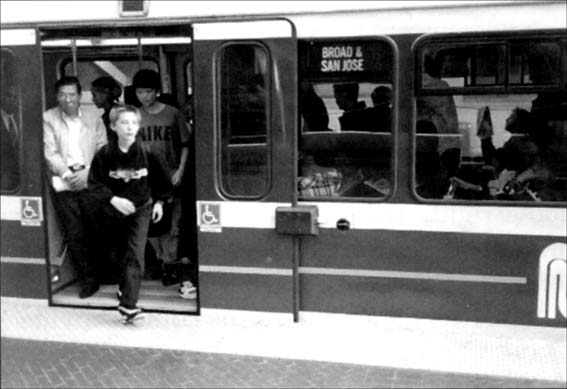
(245, 81)
(22, 249)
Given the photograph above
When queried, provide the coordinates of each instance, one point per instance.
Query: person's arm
(184, 136)
(178, 174)
(97, 178)
(451, 116)
(55, 161)
(100, 131)
(158, 177)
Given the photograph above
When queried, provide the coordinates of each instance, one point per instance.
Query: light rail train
(387, 204)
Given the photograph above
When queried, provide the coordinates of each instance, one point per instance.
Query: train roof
(333, 17)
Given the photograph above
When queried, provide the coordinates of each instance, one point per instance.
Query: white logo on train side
(552, 285)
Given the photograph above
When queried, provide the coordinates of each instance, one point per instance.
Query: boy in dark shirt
(127, 177)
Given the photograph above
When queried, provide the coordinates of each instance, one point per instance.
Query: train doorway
(96, 56)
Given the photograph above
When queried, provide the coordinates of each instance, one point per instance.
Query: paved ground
(28, 363)
(45, 346)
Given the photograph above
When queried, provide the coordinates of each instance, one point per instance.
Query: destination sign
(342, 59)
(361, 59)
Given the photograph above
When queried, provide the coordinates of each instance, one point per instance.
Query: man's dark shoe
(88, 290)
(170, 273)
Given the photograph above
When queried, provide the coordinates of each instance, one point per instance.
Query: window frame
(394, 97)
(454, 40)
(218, 138)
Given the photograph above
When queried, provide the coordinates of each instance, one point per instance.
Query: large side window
(491, 120)
(345, 105)
(244, 117)
(10, 139)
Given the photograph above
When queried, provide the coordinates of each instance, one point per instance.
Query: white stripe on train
(472, 219)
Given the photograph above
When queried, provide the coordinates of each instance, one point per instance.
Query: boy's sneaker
(130, 314)
(188, 290)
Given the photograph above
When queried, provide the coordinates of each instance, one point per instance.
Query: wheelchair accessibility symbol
(31, 214)
(209, 217)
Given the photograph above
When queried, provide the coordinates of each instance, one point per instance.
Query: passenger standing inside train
(381, 112)
(10, 144)
(518, 162)
(186, 250)
(131, 183)
(312, 109)
(71, 138)
(163, 129)
(106, 91)
(355, 116)
(439, 110)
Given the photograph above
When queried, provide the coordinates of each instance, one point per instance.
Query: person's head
(9, 93)
(125, 121)
(346, 95)
(519, 122)
(147, 85)
(381, 96)
(432, 65)
(106, 91)
(68, 90)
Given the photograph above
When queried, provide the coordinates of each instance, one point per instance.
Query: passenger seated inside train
(518, 167)
(550, 117)
(381, 113)
(344, 165)
(516, 171)
(315, 180)
(312, 109)
(355, 116)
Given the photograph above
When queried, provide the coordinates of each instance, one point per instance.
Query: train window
(463, 65)
(121, 69)
(535, 63)
(244, 114)
(11, 136)
(492, 142)
(345, 105)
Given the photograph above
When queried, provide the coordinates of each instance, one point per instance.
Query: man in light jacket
(71, 137)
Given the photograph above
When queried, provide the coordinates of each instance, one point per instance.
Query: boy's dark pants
(128, 240)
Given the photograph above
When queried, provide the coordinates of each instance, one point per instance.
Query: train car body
(298, 212)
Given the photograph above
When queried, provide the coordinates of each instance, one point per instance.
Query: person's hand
(176, 177)
(123, 205)
(157, 212)
(78, 180)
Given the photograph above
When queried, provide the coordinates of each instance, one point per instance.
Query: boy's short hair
(147, 78)
(117, 110)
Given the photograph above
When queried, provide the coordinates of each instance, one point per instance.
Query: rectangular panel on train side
(22, 211)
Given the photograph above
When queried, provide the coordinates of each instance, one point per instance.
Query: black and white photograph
(283, 194)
